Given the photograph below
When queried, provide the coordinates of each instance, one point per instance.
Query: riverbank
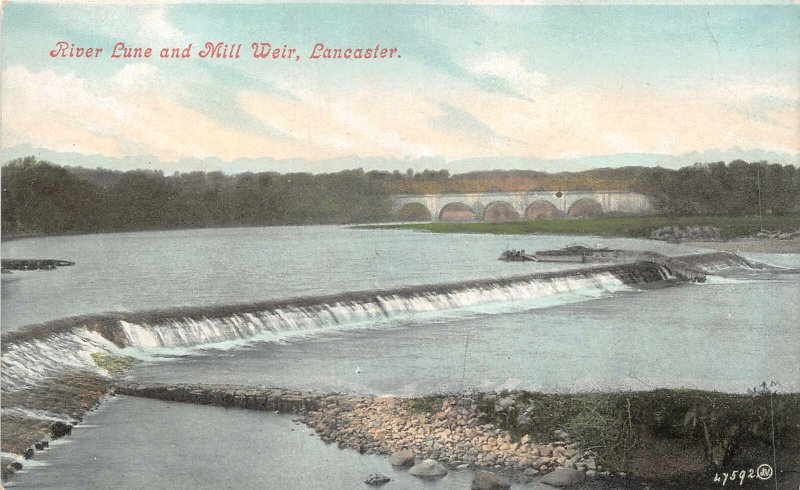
(661, 437)
(34, 417)
(730, 227)
(675, 437)
(751, 245)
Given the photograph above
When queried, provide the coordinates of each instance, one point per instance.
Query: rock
(530, 472)
(404, 459)
(16, 465)
(506, 403)
(428, 469)
(591, 474)
(28, 454)
(486, 480)
(39, 446)
(563, 477)
(60, 429)
(376, 480)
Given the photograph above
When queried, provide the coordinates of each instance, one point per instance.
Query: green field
(628, 226)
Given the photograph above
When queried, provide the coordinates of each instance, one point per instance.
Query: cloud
(510, 69)
(135, 111)
(64, 112)
(153, 24)
(348, 122)
(135, 75)
(140, 25)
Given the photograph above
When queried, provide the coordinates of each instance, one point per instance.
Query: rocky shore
(448, 430)
(673, 436)
(33, 418)
(451, 433)
(708, 233)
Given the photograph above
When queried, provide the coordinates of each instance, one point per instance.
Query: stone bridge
(511, 206)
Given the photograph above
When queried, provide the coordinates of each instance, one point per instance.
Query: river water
(595, 333)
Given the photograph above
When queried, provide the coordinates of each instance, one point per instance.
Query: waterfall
(26, 364)
(41, 352)
(303, 317)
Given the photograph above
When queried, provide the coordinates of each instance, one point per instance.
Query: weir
(121, 328)
(51, 372)
(39, 352)
(249, 397)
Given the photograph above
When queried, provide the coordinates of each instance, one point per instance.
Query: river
(595, 333)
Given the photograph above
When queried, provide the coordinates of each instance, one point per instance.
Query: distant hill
(453, 166)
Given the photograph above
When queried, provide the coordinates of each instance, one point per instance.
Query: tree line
(736, 188)
(39, 197)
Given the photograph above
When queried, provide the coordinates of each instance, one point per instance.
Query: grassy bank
(660, 436)
(627, 226)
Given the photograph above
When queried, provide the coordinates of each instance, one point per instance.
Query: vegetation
(628, 226)
(42, 198)
(734, 189)
(441, 182)
(426, 404)
(113, 365)
(630, 431)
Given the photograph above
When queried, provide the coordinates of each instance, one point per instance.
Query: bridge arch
(585, 207)
(500, 211)
(414, 211)
(456, 211)
(542, 209)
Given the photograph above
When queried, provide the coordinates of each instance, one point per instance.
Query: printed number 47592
(734, 475)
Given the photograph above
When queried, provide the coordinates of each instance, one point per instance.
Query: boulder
(60, 429)
(506, 403)
(563, 477)
(16, 465)
(376, 480)
(404, 459)
(486, 480)
(428, 469)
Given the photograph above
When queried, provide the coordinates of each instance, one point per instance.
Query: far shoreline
(751, 245)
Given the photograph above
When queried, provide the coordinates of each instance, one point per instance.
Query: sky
(475, 86)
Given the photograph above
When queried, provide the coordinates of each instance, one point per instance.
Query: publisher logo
(764, 472)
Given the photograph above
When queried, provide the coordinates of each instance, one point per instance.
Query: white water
(36, 414)
(29, 363)
(276, 324)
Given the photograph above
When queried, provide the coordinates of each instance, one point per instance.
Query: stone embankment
(450, 432)
(707, 233)
(779, 234)
(33, 264)
(34, 417)
(681, 233)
